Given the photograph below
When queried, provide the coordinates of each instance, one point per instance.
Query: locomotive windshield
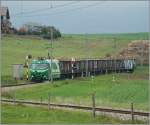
(39, 66)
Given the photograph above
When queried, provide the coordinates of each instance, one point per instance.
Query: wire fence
(93, 108)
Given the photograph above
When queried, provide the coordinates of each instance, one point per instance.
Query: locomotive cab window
(39, 66)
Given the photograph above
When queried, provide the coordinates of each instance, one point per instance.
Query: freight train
(45, 69)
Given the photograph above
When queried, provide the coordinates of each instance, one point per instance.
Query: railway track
(107, 110)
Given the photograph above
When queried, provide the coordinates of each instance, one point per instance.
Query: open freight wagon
(86, 67)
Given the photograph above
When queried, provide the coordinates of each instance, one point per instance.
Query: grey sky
(83, 17)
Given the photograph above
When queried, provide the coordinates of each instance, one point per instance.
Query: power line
(44, 9)
(70, 10)
(51, 5)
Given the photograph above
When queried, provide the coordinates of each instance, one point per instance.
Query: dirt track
(11, 88)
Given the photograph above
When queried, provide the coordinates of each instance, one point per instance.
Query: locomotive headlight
(44, 77)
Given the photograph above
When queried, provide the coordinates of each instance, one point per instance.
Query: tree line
(40, 30)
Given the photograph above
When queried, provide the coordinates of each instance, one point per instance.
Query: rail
(139, 113)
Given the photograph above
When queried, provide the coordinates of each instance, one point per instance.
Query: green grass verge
(23, 115)
(118, 94)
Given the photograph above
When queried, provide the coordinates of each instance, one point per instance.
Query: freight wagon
(86, 67)
(42, 69)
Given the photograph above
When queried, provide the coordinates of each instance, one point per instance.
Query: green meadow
(126, 89)
(14, 48)
(20, 114)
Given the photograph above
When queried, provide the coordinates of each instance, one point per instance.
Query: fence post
(49, 102)
(132, 113)
(93, 104)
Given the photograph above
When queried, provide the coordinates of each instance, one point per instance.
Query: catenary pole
(86, 43)
(51, 53)
(115, 46)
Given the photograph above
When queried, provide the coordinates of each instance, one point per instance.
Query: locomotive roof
(37, 61)
(82, 59)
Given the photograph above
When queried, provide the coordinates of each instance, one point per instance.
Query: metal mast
(115, 46)
(128, 56)
(142, 53)
(86, 43)
(51, 30)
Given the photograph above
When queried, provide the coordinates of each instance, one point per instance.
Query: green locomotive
(41, 70)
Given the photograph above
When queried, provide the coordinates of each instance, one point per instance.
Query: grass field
(117, 94)
(15, 48)
(24, 115)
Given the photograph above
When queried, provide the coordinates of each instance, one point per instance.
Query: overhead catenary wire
(51, 5)
(45, 9)
(69, 10)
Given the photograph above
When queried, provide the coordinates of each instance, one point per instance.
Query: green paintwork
(41, 70)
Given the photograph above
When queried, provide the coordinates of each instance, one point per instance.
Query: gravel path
(11, 88)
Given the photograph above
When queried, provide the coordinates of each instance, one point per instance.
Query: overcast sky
(82, 17)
